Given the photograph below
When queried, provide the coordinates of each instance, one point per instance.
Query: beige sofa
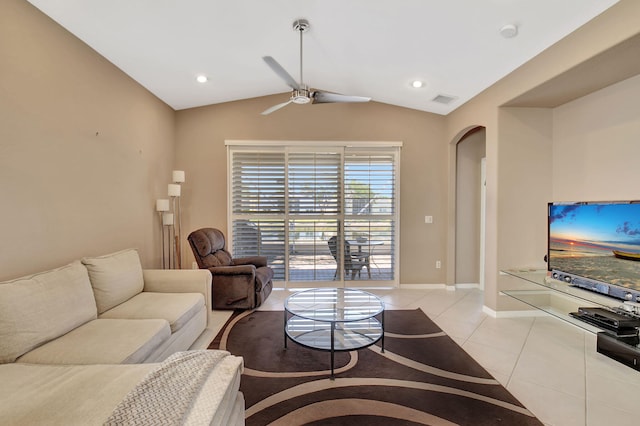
(74, 341)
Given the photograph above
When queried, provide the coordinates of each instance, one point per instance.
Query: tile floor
(552, 367)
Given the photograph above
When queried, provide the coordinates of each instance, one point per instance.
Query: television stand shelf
(557, 298)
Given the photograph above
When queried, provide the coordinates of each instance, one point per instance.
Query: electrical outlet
(428, 219)
(438, 264)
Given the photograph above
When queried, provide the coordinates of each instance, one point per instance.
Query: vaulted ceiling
(373, 48)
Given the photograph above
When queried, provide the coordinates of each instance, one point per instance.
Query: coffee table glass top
(334, 305)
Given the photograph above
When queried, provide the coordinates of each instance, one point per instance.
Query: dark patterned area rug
(422, 378)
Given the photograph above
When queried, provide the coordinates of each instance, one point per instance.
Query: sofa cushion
(115, 277)
(64, 394)
(176, 308)
(103, 341)
(41, 307)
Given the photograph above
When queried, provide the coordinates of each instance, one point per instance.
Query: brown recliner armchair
(241, 283)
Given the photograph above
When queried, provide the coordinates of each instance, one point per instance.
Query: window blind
(369, 219)
(287, 202)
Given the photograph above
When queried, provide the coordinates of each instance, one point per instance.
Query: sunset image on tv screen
(597, 241)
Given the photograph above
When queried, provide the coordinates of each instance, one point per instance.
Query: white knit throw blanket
(166, 395)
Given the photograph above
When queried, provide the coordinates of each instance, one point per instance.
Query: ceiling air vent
(443, 99)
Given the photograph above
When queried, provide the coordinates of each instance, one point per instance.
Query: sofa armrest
(179, 281)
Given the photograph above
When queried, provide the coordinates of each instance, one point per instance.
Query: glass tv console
(557, 298)
(560, 299)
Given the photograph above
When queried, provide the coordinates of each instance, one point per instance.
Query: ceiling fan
(301, 93)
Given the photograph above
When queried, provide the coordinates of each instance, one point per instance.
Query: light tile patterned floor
(550, 366)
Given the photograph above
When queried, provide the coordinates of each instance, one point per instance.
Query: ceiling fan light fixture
(300, 97)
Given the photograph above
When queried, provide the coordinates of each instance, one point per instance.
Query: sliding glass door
(310, 208)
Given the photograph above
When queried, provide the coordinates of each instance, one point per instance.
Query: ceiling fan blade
(328, 97)
(275, 108)
(282, 73)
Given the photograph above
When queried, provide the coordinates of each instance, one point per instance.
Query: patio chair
(353, 262)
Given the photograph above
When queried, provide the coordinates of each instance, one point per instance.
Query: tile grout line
(524, 344)
(484, 318)
(584, 359)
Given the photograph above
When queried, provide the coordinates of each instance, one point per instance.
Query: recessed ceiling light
(202, 79)
(417, 84)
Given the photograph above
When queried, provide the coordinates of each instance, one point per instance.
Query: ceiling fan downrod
(301, 25)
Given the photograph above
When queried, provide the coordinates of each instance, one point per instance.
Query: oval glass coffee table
(334, 320)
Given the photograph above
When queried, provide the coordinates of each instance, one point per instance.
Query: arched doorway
(470, 152)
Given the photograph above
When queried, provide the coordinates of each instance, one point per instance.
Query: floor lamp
(171, 218)
(167, 221)
(174, 191)
(162, 207)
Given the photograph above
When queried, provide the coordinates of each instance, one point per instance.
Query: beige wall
(201, 133)
(526, 180)
(585, 150)
(596, 148)
(84, 150)
(525, 149)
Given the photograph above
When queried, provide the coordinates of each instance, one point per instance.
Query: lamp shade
(167, 219)
(162, 205)
(174, 190)
(178, 176)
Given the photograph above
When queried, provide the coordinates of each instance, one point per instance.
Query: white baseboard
(513, 314)
(467, 285)
(439, 286)
(423, 286)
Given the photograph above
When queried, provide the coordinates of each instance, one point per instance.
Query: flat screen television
(596, 246)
